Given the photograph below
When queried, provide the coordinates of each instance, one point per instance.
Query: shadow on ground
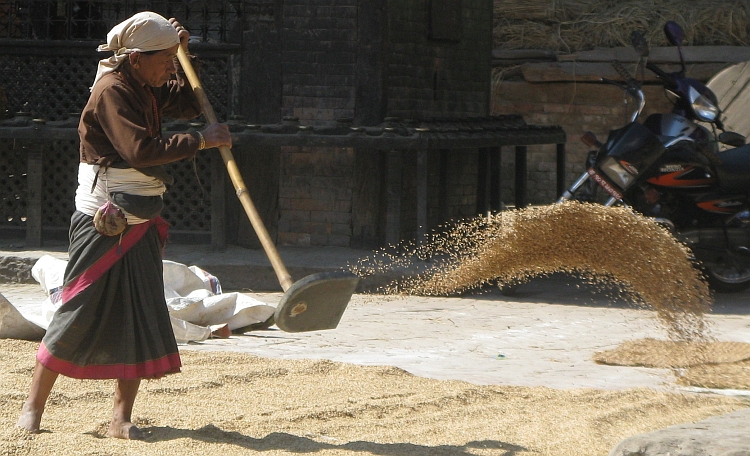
(567, 289)
(297, 444)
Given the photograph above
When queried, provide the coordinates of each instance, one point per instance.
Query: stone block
(339, 240)
(295, 239)
(330, 217)
(16, 269)
(342, 206)
(319, 239)
(722, 435)
(309, 204)
(296, 216)
(344, 229)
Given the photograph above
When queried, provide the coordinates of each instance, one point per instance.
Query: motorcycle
(675, 168)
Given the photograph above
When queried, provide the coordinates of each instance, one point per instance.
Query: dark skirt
(114, 321)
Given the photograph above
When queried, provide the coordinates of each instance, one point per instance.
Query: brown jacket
(118, 120)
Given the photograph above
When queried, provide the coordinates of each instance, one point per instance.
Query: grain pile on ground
(576, 25)
(232, 403)
(702, 364)
(610, 246)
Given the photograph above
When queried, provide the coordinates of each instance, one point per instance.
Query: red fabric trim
(103, 264)
(169, 364)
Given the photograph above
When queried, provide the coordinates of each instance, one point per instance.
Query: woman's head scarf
(143, 32)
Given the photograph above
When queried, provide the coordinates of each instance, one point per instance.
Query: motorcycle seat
(733, 172)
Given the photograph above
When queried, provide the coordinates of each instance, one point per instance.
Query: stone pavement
(543, 335)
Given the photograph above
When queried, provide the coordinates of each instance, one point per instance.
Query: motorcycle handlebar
(631, 86)
(660, 73)
(625, 74)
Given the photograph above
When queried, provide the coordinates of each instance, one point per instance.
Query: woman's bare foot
(126, 430)
(30, 418)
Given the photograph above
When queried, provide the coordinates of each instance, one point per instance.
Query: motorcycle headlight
(703, 107)
(617, 173)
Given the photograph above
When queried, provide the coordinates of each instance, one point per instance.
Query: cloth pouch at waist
(144, 207)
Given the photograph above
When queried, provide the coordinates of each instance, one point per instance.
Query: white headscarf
(144, 31)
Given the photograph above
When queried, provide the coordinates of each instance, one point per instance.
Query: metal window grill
(187, 201)
(46, 86)
(12, 185)
(207, 20)
(60, 86)
(52, 83)
(60, 171)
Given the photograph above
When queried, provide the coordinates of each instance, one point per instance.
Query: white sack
(193, 296)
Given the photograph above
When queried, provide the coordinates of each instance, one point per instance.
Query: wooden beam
(594, 71)
(517, 54)
(661, 55)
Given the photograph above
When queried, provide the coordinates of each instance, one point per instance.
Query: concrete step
(237, 268)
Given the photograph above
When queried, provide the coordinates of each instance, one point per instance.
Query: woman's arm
(123, 121)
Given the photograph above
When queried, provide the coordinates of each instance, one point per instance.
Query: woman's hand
(182, 33)
(217, 135)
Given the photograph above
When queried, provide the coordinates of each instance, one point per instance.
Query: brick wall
(342, 59)
(334, 196)
(460, 189)
(315, 196)
(434, 72)
(577, 107)
(319, 54)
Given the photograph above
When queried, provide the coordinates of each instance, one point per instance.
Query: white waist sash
(126, 180)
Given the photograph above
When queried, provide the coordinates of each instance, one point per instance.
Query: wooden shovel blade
(315, 302)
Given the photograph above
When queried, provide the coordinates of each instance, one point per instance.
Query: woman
(113, 321)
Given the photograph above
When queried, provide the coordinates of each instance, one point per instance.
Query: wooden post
(560, 169)
(421, 195)
(521, 171)
(495, 166)
(393, 182)
(443, 186)
(218, 204)
(34, 182)
(483, 181)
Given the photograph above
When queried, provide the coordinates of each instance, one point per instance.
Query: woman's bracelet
(202, 141)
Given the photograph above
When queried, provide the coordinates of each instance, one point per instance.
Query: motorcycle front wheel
(727, 279)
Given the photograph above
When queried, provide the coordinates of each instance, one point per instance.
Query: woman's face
(156, 69)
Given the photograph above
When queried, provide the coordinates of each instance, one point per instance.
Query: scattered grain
(607, 246)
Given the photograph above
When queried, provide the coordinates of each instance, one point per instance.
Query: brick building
(409, 81)
(319, 62)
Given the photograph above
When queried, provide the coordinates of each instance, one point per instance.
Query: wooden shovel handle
(234, 173)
